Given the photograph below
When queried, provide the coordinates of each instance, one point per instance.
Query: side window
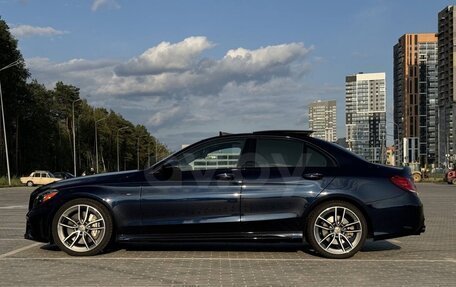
(36, 174)
(314, 158)
(212, 156)
(278, 153)
(43, 175)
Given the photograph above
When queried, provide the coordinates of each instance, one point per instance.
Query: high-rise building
(447, 85)
(415, 98)
(322, 120)
(365, 104)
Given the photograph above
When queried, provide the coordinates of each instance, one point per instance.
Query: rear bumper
(397, 217)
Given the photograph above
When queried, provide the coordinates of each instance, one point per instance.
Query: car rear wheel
(454, 181)
(336, 229)
(82, 227)
(417, 177)
(29, 183)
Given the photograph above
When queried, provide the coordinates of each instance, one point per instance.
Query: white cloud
(28, 30)
(87, 75)
(97, 4)
(166, 57)
(173, 88)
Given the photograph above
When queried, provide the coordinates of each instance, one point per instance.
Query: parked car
(63, 175)
(39, 177)
(271, 185)
(450, 177)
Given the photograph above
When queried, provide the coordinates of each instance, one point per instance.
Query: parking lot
(426, 260)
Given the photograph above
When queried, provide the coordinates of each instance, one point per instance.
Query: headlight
(45, 196)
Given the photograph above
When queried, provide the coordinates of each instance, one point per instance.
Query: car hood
(110, 177)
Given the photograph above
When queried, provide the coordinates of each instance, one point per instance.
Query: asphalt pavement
(426, 260)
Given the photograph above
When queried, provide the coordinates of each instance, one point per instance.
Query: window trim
(306, 144)
(214, 141)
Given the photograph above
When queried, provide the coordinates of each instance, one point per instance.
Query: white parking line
(14, 207)
(3, 256)
(6, 228)
(451, 260)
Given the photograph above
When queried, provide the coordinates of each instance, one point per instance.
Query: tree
(13, 82)
(39, 124)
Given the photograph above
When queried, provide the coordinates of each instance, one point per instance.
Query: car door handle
(313, 176)
(224, 176)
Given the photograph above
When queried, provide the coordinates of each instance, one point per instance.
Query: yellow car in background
(39, 177)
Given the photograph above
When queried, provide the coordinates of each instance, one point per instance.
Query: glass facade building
(365, 104)
(447, 87)
(322, 120)
(415, 98)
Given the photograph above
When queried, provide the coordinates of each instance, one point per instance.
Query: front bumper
(38, 225)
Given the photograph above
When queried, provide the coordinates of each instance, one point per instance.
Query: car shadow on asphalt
(287, 247)
(381, 245)
(369, 246)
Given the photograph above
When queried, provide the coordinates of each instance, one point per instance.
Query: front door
(200, 196)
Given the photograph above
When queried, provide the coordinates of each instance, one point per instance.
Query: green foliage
(39, 125)
(15, 181)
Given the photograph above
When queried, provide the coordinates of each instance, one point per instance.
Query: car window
(278, 153)
(36, 174)
(43, 175)
(314, 158)
(212, 156)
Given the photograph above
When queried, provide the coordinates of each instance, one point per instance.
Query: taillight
(404, 183)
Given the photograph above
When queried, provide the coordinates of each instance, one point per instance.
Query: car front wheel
(336, 229)
(29, 183)
(82, 227)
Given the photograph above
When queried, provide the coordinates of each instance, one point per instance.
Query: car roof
(341, 154)
(273, 132)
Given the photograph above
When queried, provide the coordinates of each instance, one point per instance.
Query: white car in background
(39, 177)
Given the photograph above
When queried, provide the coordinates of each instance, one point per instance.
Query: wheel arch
(75, 196)
(342, 197)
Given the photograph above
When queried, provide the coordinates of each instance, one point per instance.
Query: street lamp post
(118, 130)
(137, 151)
(74, 136)
(148, 155)
(156, 149)
(398, 141)
(96, 141)
(15, 63)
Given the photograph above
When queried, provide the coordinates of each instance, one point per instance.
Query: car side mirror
(170, 170)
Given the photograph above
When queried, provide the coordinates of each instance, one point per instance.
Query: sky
(188, 69)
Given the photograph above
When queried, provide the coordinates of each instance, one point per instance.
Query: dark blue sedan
(274, 185)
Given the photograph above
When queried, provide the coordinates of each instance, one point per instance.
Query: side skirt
(273, 236)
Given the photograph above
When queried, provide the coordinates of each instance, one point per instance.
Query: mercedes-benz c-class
(268, 185)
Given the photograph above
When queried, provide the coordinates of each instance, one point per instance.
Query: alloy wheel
(338, 230)
(81, 228)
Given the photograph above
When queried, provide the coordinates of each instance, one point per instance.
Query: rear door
(48, 179)
(42, 178)
(280, 179)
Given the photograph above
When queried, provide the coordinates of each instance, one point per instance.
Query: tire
(334, 239)
(417, 177)
(29, 183)
(82, 227)
(454, 181)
